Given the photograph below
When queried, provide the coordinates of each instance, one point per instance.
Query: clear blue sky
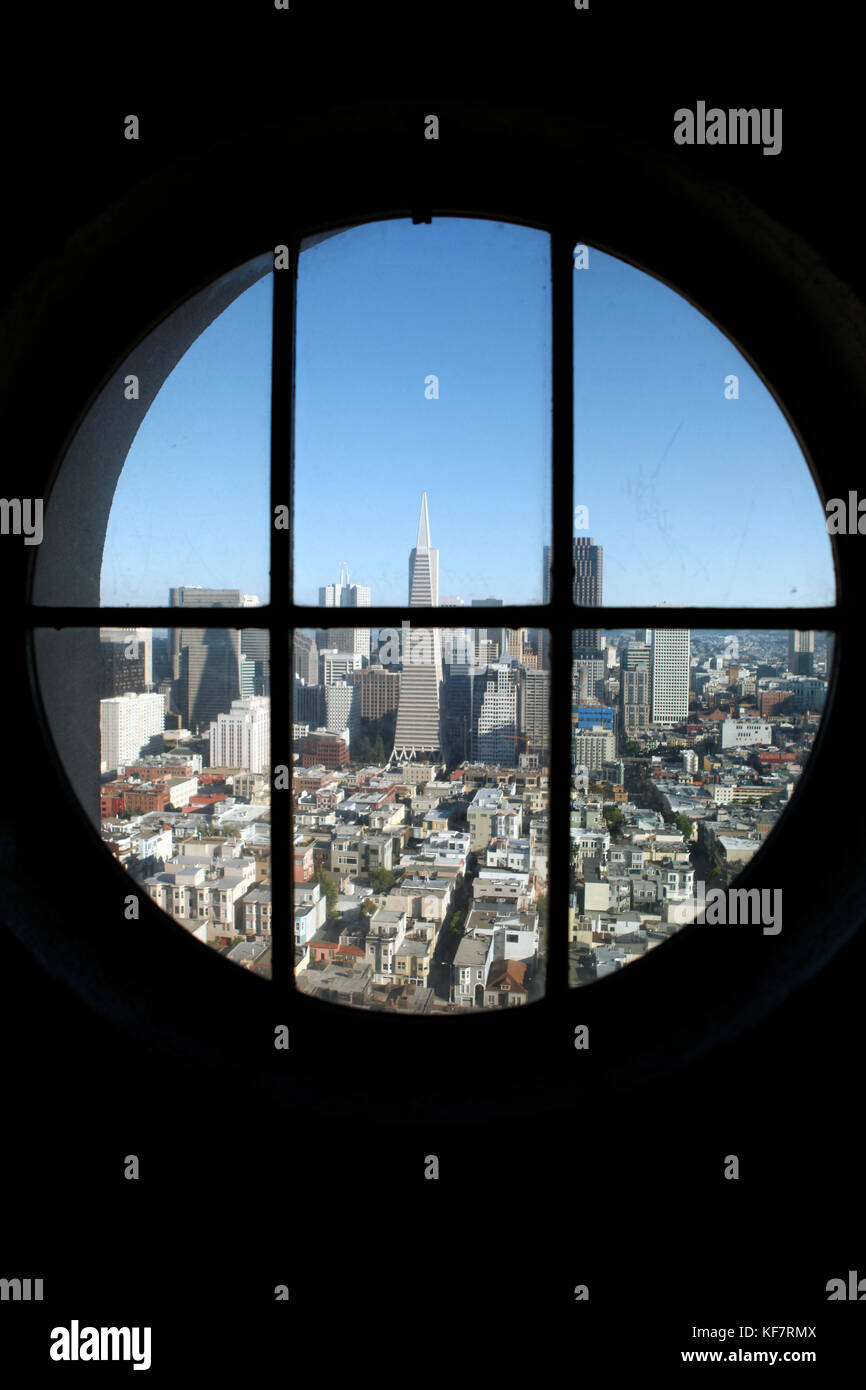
(695, 498)
(192, 503)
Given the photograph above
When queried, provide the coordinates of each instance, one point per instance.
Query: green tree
(614, 818)
(684, 826)
(368, 907)
(382, 880)
(329, 892)
(632, 749)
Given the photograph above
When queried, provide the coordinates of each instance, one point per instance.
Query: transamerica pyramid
(417, 733)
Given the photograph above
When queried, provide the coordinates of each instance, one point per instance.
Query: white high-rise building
(592, 748)
(418, 730)
(343, 709)
(670, 675)
(127, 723)
(338, 665)
(346, 595)
(496, 715)
(242, 738)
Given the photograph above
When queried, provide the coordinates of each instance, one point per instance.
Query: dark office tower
(587, 562)
(255, 646)
(635, 695)
(122, 665)
(801, 653)
(490, 643)
(535, 711)
(308, 704)
(587, 572)
(828, 653)
(418, 733)
(587, 644)
(457, 710)
(207, 660)
(305, 658)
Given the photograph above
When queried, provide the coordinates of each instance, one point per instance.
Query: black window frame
(551, 1017)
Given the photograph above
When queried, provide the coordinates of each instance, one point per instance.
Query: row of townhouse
(491, 962)
(194, 888)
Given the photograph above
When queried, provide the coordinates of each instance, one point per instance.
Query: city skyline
(700, 498)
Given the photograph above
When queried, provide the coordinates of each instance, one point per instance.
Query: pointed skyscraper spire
(417, 732)
(423, 542)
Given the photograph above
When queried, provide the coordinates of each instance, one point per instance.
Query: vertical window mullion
(282, 595)
(559, 616)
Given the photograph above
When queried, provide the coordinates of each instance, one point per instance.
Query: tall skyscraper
(535, 710)
(346, 595)
(351, 639)
(127, 723)
(418, 725)
(635, 690)
(343, 709)
(256, 647)
(206, 661)
(126, 660)
(496, 715)
(634, 700)
(457, 705)
(339, 665)
(801, 653)
(587, 591)
(670, 675)
(305, 658)
(636, 656)
(587, 562)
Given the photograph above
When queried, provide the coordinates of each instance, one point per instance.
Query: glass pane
(166, 481)
(421, 859)
(423, 366)
(686, 470)
(186, 810)
(193, 501)
(686, 748)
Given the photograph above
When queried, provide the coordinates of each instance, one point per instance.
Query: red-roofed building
(505, 984)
